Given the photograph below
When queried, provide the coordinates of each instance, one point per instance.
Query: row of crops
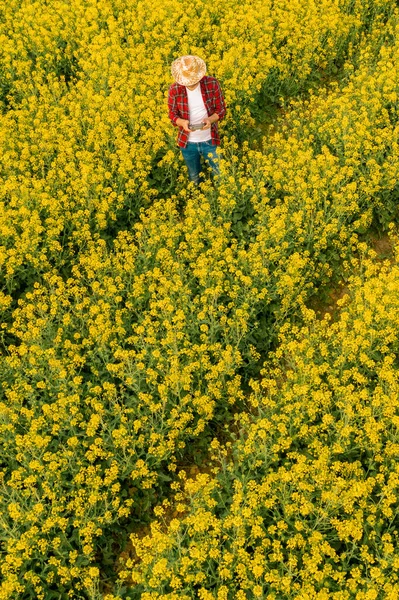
(302, 502)
(175, 421)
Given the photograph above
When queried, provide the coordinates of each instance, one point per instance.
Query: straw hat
(188, 70)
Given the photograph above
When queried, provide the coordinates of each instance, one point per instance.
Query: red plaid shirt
(213, 100)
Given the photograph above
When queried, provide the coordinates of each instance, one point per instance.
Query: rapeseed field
(181, 415)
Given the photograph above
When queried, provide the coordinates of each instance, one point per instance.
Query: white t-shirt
(197, 112)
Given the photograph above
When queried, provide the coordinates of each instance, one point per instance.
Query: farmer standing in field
(196, 105)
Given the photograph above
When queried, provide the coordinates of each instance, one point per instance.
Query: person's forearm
(213, 118)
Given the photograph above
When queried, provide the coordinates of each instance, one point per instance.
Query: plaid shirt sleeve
(177, 103)
(220, 107)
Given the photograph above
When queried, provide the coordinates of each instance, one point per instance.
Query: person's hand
(207, 123)
(183, 123)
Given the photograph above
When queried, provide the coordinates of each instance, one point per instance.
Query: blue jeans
(192, 157)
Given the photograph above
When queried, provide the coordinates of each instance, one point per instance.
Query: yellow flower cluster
(131, 326)
(304, 503)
